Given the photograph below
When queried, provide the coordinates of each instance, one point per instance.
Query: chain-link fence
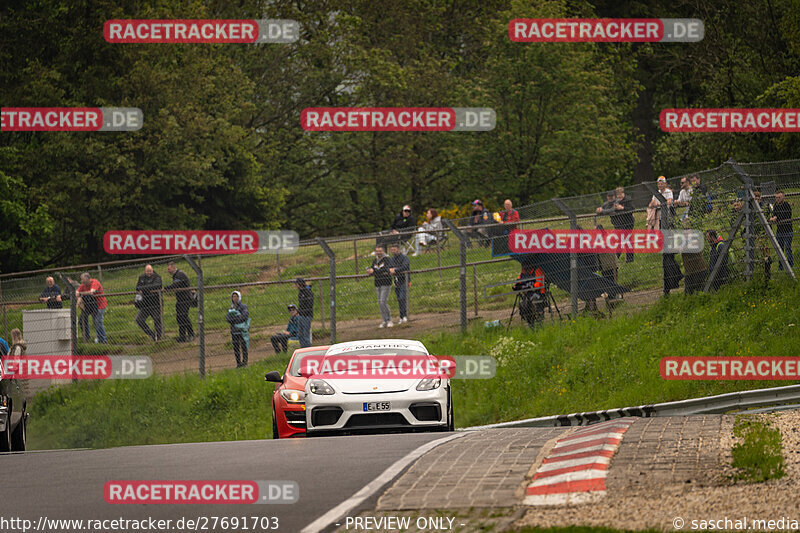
(458, 274)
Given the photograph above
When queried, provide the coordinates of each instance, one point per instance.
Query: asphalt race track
(62, 484)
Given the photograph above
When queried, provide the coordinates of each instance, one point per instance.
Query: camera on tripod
(532, 300)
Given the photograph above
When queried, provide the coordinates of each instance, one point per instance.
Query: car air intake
(296, 418)
(377, 419)
(325, 416)
(426, 412)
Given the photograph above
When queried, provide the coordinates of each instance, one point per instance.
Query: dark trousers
(239, 345)
(785, 242)
(401, 291)
(280, 342)
(83, 324)
(184, 324)
(141, 320)
(304, 330)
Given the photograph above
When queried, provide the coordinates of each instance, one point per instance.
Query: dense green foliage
(222, 146)
(569, 367)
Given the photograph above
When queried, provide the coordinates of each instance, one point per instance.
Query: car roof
(376, 344)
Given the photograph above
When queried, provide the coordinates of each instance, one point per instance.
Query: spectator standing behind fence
(654, 209)
(423, 237)
(239, 318)
(18, 345)
(183, 301)
(51, 294)
(400, 265)
(715, 242)
(622, 218)
(685, 199)
(94, 303)
(381, 264)
(305, 300)
(607, 263)
(148, 302)
(782, 218)
(280, 341)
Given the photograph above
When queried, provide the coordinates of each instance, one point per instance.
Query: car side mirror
(273, 376)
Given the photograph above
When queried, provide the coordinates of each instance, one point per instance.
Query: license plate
(377, 406)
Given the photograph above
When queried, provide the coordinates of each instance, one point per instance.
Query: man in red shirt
(510, 215)
(94, 303)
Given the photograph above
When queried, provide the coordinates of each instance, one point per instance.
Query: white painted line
(558, 465)
(589, 438)
(368, 490)
(578, 475)
(609, 447)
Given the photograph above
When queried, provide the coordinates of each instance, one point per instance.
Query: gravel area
(663, 507)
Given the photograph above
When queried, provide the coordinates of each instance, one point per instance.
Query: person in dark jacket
(480, 216)
(305, 299)
(148, 302)
(280, 341)
(400, 265)
(51, 295)
(380, 270)
(183, 301)
(239, 318)
(622, 217)
(403, 221)
(782, 218)
(715, 242)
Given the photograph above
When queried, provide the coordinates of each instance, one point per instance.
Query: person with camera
(183, 301)
(148, 302)
(51, 295)
(280, 341)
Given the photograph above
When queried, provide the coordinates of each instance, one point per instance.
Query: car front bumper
(410, 410)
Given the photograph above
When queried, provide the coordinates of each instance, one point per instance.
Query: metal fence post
(407, 278)
(73, 312)
(475, 287)
(278, 265)
(355, 254)
(573, 257)
(462, 239)
(751, 203)
(332, 258)
(161, 316)
(201, 327)
(99, 274)
(321, 306)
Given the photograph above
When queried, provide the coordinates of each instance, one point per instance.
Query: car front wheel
(275, 434)
(5, 436)
(20, 436)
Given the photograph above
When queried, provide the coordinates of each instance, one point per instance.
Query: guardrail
(718, 404)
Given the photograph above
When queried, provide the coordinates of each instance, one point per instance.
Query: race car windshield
(294, 370)
(382, 351)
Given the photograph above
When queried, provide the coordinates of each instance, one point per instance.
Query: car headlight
(429, 384)
(319, 386)
(293, 396)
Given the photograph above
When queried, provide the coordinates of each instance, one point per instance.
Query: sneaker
(404, 320)
(383, 325)
(389, 324)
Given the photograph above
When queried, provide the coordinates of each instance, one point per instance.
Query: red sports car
(288, 400)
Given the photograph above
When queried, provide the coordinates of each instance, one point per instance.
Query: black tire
(451, 423)
(275, 434)
(20, 436)
(5, 436)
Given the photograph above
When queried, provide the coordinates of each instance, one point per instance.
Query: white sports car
(359, 402)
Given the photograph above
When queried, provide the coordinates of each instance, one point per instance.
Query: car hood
(294, 382)
(372, 386)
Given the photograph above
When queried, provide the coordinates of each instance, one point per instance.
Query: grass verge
(576, 365)
(758, 456)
